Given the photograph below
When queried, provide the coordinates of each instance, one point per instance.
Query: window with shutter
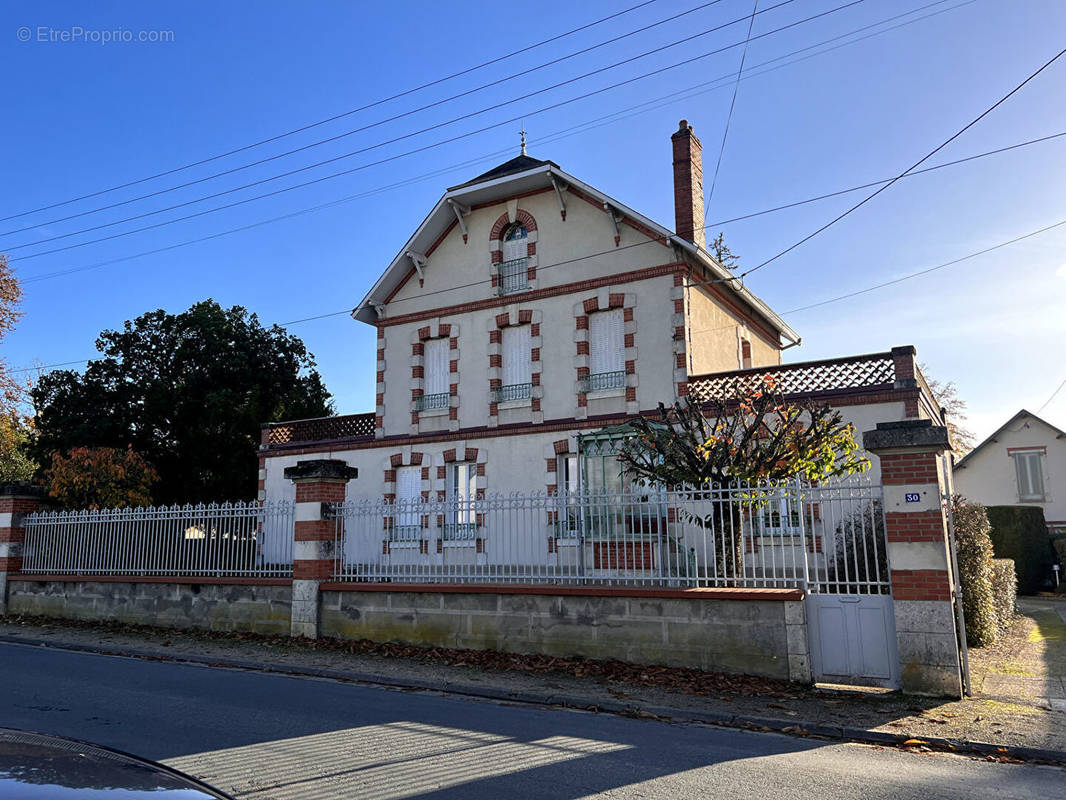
(436, 375)
(1029, 468)
(513, 275)
(517, 364)
(461, 493)
(606, 350)
(408, 494)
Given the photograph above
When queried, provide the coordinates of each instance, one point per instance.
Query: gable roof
(1023, 414)
(526, 174)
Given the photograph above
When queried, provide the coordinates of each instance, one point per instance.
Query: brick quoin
(921, 584)
(911, 468)
(311, 492)
(925, 526)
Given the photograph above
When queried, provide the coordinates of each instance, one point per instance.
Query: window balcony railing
(431, 402)
(459, 531)
(517, 391)
(603, 381)
(406, 533)
(514, 276)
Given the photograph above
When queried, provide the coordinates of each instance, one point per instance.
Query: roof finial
(523, 134)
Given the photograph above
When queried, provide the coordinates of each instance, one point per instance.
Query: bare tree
(947, 397)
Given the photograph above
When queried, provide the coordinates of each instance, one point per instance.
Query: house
(1022, 463)
(528, 317)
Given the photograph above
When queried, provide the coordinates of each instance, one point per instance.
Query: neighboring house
(1022, 463)
(530, 315)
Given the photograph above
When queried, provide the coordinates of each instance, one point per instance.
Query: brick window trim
(605, 300)
(379, 387)
(503, 222)
(515, 316)
(435, 329)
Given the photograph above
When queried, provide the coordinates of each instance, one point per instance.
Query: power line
(332, 203)
(402, 115)
(1053, 394)
(838, 298)
(335, 117)
(387, 159)
(916, 164)
(732, 103)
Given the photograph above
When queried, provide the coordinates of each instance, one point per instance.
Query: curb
(790, 727)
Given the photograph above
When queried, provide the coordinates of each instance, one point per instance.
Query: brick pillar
(906, 380)
(16, 500)
(918, 554)
(318, 483)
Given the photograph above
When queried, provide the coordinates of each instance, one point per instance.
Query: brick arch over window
(495, 372)
(496, 246)
(435, 330)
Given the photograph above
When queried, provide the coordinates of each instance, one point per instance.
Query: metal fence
(229, 539)
(823, 538)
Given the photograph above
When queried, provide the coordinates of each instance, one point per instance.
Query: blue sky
(87, 115)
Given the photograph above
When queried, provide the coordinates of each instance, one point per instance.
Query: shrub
(100, 477)
(1020, 533)
(860, 555)
(1004, 590)
(974, 545)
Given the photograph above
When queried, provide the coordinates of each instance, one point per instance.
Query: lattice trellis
(857, 372)
(350, 426)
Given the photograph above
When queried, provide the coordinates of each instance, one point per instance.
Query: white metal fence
(825, 538)
(229, 539)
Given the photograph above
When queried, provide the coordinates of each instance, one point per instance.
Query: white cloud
(1061, 271)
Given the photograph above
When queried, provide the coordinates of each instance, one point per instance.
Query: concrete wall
(755, 637)
(988, 476)
(211, 606)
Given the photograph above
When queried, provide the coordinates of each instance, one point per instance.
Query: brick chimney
(688, 185)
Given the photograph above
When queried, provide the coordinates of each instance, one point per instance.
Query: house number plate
(913, 497)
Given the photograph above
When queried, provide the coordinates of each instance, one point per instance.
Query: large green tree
(188, 391)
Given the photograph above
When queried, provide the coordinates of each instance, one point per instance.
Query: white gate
(851, 626)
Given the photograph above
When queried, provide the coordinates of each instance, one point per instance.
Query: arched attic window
(513, 270)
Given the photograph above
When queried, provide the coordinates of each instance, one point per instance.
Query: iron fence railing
(507, 394)
(513, 275)
(822, 538)
(248, 539)
(602, 381)
(432, 402)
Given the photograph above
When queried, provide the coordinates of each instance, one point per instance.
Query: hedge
(974, 548)
(1020, 533)
(1004, 590)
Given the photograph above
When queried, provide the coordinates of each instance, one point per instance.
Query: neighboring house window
(517, 365)
(408, 494)
(606, 351)
(435, 394)
(1029, 467)
(745, 354)
(513, 269)
(461, 497)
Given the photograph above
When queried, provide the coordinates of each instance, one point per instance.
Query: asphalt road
(266, 736)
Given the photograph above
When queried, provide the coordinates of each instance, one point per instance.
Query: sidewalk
(624, 688)
(1029, 664)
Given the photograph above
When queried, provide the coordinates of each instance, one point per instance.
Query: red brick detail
(453, 413)
(497, 258)
(424, 333)
(317, 530)
(444, 329)
(623, 555)
(19, 505)
(479, 545)
(525, 317)
(449, 455)
(496, 360)
(471, 454)
(503, 320)
(583, 348)
(920, 584)
(921, 526)
(561, 446)
(534, 329)
(320, 491)
(396, 459)
(495, 336)
(630, 340)
(583, 323)
(591, 304)
(616, 300)
(631, 394)
(627, 314)
(314, 570)
(534, 355)
(903, 468)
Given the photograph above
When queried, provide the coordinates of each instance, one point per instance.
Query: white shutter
(517, 367)
(606, 341)
(408, 491)
(436, 371)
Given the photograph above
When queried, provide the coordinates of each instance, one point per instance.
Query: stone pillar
(918, 554)
(16, 500)
(318, 483)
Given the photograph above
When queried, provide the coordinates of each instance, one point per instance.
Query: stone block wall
(764, 637)
(255, 607)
